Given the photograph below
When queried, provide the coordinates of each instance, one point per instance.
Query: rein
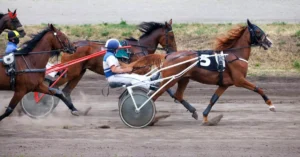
(146, 47)
(39, 52)
(152, 48)
(232, 49)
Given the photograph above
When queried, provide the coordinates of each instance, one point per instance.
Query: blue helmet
(112, 44)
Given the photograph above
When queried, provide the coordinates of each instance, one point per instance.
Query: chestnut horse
(153, 34)
(11, 21)
(30, 63)
(237, 44)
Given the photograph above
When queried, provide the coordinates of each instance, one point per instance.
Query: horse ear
(170, 22)
(52, 27)
(249, 23)
(15, 12)
(8, 10)
(166, 24)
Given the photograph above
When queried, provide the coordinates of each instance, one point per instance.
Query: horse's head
(258, 36)
(12, 22)
(167, 38)
(61, 41)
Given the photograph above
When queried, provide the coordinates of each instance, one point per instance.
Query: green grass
(126, 34)
(297, 34)
(296, 64)
(105, 33)
(279, 23)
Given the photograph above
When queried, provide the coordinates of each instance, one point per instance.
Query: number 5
(205, 59)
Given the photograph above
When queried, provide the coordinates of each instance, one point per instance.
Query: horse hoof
(214, 121)
(75, 113)
(272, 108)
(195, 115)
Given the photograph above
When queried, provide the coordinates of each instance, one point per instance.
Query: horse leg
(248, 85)
(13, 103)
(213, 100)
(71, 85)
(159, 93)
(57, 93)
(178, 96)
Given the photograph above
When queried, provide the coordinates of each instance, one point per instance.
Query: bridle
(65, 48)
(166, 47)
(253, 37)
(14, 21)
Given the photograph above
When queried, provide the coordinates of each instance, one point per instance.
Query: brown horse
(11, 21)
(237, 44)
(30, 63)
(153, 34)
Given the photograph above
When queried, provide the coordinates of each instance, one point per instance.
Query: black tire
(133, 119)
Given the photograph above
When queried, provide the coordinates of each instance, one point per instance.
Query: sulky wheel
(37, 109)
(135, 119)
(134, 90)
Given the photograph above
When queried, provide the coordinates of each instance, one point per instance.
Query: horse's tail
(143, 65)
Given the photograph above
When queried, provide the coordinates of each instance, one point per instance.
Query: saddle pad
(208, 62)
(122, 53)
(8, 59)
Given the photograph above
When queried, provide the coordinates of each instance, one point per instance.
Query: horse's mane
(30, 44)
(224, 42)
(148, 27)
(131, 39)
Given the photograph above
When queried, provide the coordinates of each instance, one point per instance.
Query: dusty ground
(247, 129)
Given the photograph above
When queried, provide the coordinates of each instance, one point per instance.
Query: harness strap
(220, 82)
(237, 58)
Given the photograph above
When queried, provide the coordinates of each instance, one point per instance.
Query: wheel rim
(133, 119)
(135, 90)
(37, 110)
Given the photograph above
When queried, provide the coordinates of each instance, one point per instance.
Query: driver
(114, 73)
(13, 41)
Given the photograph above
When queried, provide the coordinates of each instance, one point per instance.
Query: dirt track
(247, 129)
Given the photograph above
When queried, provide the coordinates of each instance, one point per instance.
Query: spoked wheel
(37, 109)
(134, 90)
(133, 118)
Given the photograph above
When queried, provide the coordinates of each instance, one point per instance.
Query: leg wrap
(256, 89)
(8, 111)
(207, 110)
(265, 97)
(56, 91)
(68, 96)
(213, 100)
(170, 92)
(188, 106)
(69, 104)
